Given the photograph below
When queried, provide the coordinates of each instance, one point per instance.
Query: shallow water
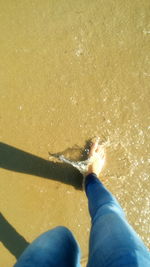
(71, 70)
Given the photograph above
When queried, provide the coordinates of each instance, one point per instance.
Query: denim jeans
(113, 242)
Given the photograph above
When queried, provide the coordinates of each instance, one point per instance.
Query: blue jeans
(113, 242)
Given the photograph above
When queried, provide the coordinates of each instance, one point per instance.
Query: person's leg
(54, 248)
(113, 242)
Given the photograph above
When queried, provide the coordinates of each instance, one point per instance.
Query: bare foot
(96, 158)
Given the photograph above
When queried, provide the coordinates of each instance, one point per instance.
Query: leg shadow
(13, 241)
(18, 160)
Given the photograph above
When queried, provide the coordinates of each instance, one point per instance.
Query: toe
(93, 148)
(100, 150)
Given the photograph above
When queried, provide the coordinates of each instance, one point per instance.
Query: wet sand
(71, 70)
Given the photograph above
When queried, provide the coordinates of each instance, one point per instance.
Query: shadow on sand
(17, 160)
(13, 241)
